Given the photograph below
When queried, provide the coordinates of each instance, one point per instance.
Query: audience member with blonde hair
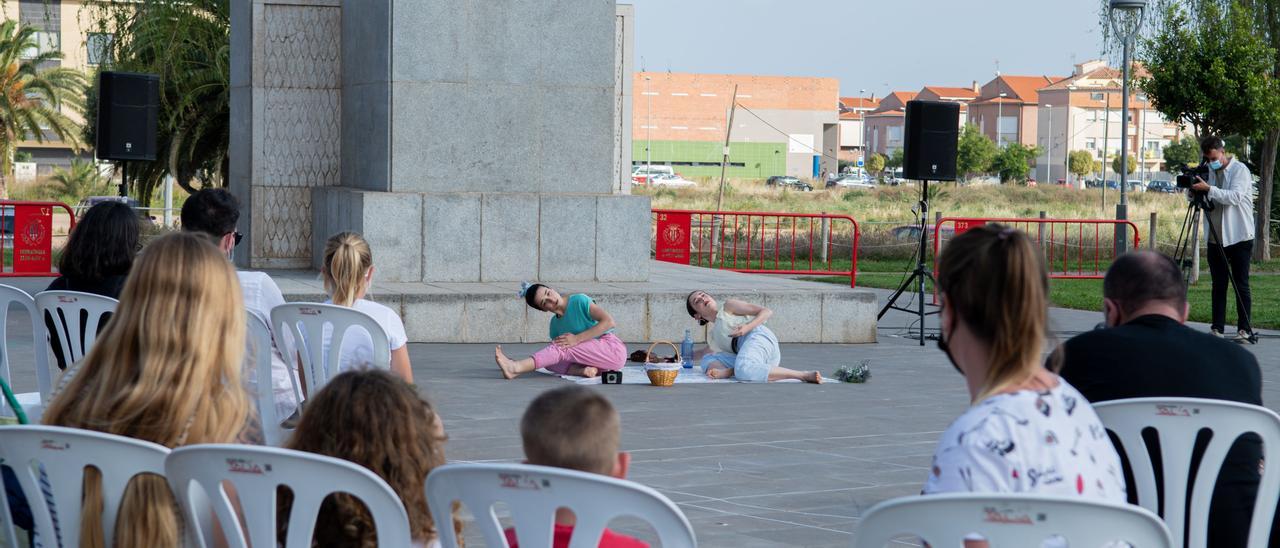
(348, 273)
(1027, 430)
(166, 369)
(348, 419)
(577, 428)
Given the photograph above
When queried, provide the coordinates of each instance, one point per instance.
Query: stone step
(803, 312)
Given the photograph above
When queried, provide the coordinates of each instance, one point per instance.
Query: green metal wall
(746, 160)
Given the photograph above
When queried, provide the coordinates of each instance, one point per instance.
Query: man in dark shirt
(1146, 351)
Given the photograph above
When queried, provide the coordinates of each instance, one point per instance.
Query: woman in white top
(1027, 430)
(738, 343)
(347, 273)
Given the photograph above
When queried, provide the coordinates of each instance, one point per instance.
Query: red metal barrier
(1071, 251)
(26, 237)
(758, 242)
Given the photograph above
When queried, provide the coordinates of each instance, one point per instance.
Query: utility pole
(1106, 142)
(724, 163)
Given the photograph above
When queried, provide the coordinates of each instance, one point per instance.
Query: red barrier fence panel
(758, 242)
(26, 237)
(1073, 248)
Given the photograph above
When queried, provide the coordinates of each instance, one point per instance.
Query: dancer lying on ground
(582, 339)
(738, 343)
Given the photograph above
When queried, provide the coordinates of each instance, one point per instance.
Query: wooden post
(826, 236)
(1151, 238)
(1040, 237)
(724, 162)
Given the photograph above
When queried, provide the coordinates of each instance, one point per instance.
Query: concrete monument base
(480, 312)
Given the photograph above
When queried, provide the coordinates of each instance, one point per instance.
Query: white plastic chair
(197, 471)
(32, 402)
(258, 357)
(1007, 519)
(75, 318)
(64, 453)
(306, 323)
(533, 493)
(1177, 422)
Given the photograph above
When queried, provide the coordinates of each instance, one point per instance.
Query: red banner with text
(32, 238)
(673, 238)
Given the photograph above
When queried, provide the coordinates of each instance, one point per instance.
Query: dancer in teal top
(582, 339)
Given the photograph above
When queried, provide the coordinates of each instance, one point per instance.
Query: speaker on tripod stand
(128, 106)
(929, 154)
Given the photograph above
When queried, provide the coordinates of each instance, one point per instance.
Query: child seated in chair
(348, 273)
(576, 428)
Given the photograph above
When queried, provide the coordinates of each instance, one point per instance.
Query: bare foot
(813, 377)
(590, 372)
(504, 363)
(719, 372)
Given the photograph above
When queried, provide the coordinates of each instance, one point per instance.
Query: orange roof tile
(943, 91)
(1020, 89)
(895, 100)
(859, 103)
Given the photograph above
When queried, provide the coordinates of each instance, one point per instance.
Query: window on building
(45, 42)
(1141, 96)
(893, 134)
(1091, 143)
(98, 47)
(1096, 96)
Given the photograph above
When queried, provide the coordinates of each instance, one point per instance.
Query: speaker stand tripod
(920, 274)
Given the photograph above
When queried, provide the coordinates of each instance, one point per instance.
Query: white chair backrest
(64, 453)
(258, 358)
(533, 493)
(306, 323)
(44, 378)
(197, 471)
(75, 318)
(1007, 519)
(1177, 422)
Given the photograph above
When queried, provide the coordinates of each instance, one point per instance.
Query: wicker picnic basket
(662, 374)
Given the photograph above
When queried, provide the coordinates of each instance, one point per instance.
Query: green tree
(1130, 166)
(187, 43)
(895, 159)
(875, 163)
(34, 101)
(81, 180)
(1181, 151)
(974, 152)
(1080, 163)
(1229, 51)
(1014, 162)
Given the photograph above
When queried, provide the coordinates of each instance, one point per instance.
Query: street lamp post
(1126, 18)
(999, 115)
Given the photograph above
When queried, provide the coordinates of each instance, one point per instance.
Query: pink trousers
(605, 353)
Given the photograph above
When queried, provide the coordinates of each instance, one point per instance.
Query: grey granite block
(797, 317)
(434, 318)
(628, 312)
(366, 136)
(430, 41)
(504, 42)
(576, 42)
(849, 316)
(393, 227)
(510, 226)
(622, 238)
(493, 318)
(451, 238)
(366, 40)
(576, 139)
(567, 238)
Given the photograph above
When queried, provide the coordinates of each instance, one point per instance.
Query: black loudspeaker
(128, 104)
(929, 149)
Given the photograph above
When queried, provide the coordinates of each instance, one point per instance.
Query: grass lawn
(1087, 295)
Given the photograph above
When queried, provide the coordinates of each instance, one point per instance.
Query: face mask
(946, 349)
(1215, 165)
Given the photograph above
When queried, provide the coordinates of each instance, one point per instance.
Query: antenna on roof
(997, 67)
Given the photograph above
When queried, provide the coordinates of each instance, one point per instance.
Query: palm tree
(33, 100)
(83, 179)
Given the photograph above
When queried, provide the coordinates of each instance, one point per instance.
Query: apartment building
(783, 125)
(885, 123)
(1006, 108)
(1084, 112)
(852, 127)
(66, 26)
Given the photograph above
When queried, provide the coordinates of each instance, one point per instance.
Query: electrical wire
(785, 134)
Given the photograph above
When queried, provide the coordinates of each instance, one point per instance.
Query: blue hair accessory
(524, 288)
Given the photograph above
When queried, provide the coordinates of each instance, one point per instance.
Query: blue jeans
(758, 353)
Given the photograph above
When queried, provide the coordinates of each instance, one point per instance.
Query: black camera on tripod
(1187, 175)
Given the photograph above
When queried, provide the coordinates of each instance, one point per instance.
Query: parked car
(1166, 187)
(1114, 185)
(670, 180)
(786, 181)
(911, 233)
(91, 201)
(852, 181)
(641, 174)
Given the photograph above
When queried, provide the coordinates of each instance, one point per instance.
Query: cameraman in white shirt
(1230, 229)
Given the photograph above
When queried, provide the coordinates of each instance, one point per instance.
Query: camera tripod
(920, 273)
(1196, 210)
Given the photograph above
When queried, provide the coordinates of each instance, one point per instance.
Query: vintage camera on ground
(1187, 175)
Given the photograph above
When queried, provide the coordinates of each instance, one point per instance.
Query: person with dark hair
(215, 213)
(739, 345)
(582, 339)
(1146, 351)
(1229, 191)
(99, 251)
